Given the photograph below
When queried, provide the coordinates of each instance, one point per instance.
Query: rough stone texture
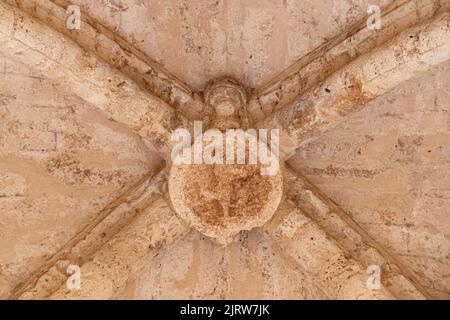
(338, 51)
(311, 248)
(413, 51)
(112, 267)
(78, 70)
(61, 162)
(82, 247)
(251, 268)
(352, 238)
(251, 41)
(388, 167)
(85, 117)
(221, 200)
(118, 53)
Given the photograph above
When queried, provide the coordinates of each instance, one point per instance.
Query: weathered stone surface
(347, 91)
(118, 53)
(387, 166)
(340, 50)
(251, 268)
(303, 240)
(222, 200)
(51, 187)
(82, 247)
(49, 52)
(86, 118)
(251, 41)
(111, 267)
(352, 238)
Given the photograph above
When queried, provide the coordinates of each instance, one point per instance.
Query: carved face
(228, 101)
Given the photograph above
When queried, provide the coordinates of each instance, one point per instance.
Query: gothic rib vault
(86, 118)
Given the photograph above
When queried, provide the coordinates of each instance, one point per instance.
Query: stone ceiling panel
(251, 268)
(61, 162)
(388, 166)
(251, 41)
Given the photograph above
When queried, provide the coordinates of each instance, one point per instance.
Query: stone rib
(30, 41)
(109, 269)
(413, 51)
(94, 235)
(304, 241)
(315, 67)
(352, 238)
(117, 52)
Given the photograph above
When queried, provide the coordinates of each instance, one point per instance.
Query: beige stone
(88, 182)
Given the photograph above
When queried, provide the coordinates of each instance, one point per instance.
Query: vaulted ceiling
(85, 123)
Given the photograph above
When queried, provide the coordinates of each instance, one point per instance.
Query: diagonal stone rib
(304, 241)
(313, 68)
(108, 222)
(351, 237)
(30, 41)
(107, 272)
(120, 54)
(347, 91)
